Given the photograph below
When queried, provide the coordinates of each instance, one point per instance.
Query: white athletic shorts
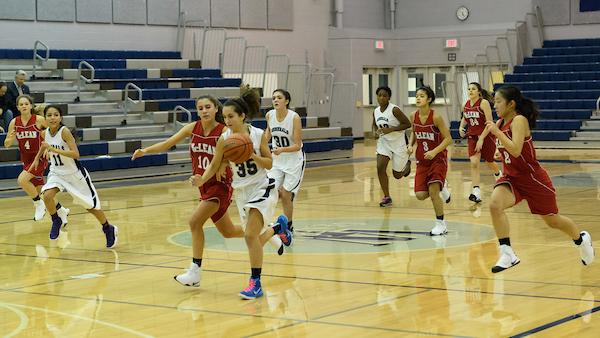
(79, 185)
(396, 152)
(289, 178)
(262, 197)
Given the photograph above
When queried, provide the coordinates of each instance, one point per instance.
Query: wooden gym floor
(355, 269)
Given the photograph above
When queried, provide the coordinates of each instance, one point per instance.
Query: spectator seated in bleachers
(16, 88)
(6, 114)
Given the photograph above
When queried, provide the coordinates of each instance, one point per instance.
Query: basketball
(238, 148)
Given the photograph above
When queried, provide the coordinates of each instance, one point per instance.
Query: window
(415, 80)
(383, 80)
(372, 79)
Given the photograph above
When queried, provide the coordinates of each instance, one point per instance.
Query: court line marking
(321, 266)
(159, 306)
(108, 210)
(370, 304)
(357, 326)
(23, 319)
(424, 289)
(114, 326)
(358, 283)
(297, 321)
(171, 241)
(448, 211)
(556, 322)
(133, 267)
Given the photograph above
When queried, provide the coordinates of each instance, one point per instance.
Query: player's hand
(491, 127)
(409, 150)
(138, 153)
(276, 151)
(462, 132)
(11, 134)
(429, 155)
(34, 164)
(222, 171)
(479, 145)
(196, 180)
(46, 147)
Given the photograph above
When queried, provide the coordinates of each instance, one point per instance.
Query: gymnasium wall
(286, 26)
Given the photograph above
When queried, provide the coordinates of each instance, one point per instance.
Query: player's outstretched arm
(166, 144)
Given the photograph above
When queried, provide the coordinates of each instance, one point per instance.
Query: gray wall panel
(129, 11)
(428, 13)
(163, 12)
(196, 10)
(225, 13)
(580, 18)
(56, 10)
(17, 9)
(99, 11)
(365, 14)
(253, 14)
(280, 14)
(556, 12)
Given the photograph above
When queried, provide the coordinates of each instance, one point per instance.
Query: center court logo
(349, 234)
(356, 236)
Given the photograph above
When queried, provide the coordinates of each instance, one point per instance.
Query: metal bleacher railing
(36, 56)
(127, 100)
(176, 124)
(82, 79)
(311, 87)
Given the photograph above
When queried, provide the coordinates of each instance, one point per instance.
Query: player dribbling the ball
(255, 193)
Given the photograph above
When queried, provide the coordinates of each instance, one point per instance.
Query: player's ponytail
(523, 105)
(252, 100)
(248, 103)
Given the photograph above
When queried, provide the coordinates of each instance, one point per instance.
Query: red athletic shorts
(38, 172)
(536, 188)
(217, 191)
(488, 149)
(431, 173)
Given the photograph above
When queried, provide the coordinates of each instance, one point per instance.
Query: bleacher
(563, 78)
(166, 81)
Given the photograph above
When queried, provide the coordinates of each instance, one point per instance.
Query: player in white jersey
(67, 174)
(284, 129)
(390, 123)
(255, 193)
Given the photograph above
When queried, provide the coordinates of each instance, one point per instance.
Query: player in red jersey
(524, 178)
(27, 129)
(481, 144)
(431, 137)
(215, 195)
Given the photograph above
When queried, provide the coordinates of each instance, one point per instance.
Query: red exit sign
(451, 44)
(379, 45)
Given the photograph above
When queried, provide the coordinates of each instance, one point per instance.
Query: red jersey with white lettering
(523, 165)
(475, 117)
(427, 137)
(527, 178)
(202, 150)
(28, 135)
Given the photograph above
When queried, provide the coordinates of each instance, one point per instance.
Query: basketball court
(355, 269)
